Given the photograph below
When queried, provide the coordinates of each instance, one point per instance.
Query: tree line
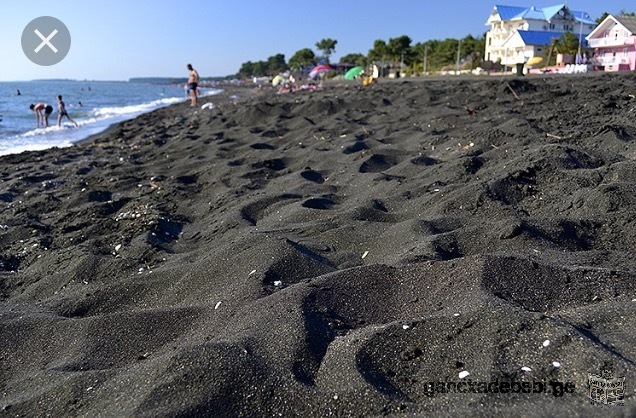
(398, 53)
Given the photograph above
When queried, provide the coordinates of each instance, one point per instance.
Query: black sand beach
(328, 254)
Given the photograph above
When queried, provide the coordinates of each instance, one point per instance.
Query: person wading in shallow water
(193, 82)
(41, 119)
(61, 111)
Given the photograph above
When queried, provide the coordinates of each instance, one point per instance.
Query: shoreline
(113, 126)
(92, 120)
(328, 252)
(250, 91)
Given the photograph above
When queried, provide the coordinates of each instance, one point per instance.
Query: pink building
(614, 43)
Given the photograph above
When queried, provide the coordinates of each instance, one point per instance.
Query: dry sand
(328, 253)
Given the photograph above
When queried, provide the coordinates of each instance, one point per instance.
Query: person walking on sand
(193, 82)
(41, 119)
(61, 111)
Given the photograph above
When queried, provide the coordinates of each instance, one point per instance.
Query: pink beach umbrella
(319, 70)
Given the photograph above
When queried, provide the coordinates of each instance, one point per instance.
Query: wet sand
(330, 252)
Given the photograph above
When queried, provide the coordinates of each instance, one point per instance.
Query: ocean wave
(42, 131)
(94, 121)
(105, 112)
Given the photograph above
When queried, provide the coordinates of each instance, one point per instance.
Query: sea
(94, 105)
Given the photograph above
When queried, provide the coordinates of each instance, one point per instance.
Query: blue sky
(117, 39)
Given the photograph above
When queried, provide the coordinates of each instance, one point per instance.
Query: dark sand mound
(328, 253)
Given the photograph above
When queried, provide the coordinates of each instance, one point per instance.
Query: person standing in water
(41, 119)
(61, 111)
(193, 82)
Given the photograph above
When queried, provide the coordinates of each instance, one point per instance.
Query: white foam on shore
(108, 112)
(98, 120)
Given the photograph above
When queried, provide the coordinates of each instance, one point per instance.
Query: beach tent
(354, 72)
(277, 80)
(320, 70)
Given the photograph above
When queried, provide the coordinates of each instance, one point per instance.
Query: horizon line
(104, 80)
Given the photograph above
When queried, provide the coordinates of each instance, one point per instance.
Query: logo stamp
(606, 389)
(46, 41)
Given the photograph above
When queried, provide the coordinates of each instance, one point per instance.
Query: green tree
(354, 59)
(602, 18)
(327, 47)
(276, 64)
(379, 51)
(622, 13)
(444, 53)
(472, 50)
(398, 46)
(568, 43)
(246, 70)
(302, 59)
(429, 47)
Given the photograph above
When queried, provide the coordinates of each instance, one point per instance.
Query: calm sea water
(102, 104)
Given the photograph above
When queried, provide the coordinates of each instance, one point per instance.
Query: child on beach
(61, 111)
(41, 119)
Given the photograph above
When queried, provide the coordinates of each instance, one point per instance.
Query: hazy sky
(117, 39)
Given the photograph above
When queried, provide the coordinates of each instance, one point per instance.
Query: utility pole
(578, 54)
(425, 52)
(402, 64)
(506, 62)
(459, 43)
(383, 65)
